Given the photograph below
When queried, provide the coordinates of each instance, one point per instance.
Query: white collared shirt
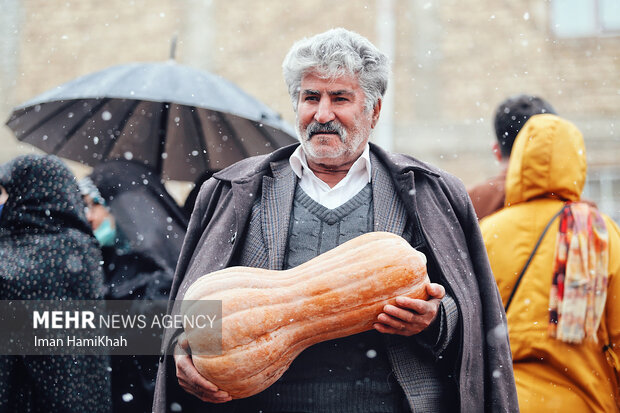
(331, 198)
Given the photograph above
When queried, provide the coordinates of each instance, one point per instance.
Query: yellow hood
(548, 160)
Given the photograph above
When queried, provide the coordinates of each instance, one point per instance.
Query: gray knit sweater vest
(314, 229)
(350, 374)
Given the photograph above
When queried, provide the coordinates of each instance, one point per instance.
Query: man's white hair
(335, 53)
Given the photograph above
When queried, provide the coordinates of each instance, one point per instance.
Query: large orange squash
(269, 317)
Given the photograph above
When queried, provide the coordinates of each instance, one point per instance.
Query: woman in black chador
(47, 252)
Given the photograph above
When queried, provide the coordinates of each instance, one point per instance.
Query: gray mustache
(328, 127)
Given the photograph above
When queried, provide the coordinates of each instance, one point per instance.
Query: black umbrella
(180, 121)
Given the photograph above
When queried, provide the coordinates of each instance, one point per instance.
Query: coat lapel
(389, 212)
(276, 205)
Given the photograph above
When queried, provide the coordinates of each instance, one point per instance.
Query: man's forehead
(329, 91)
(313, 82)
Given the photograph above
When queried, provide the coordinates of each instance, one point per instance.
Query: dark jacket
(440, 203)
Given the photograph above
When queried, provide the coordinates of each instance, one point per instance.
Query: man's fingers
(206, 396)
(189, 374)
(412, 304)
(399, 313)
(212, 397)
(435, 290)
(192, 382)
(389, 321)
(382, 328)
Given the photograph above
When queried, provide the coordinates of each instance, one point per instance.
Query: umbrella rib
(163, 132)
(81, 123)
(268, 137)
(121, 126)
(200, 130)
(229, 127)
(47, 118)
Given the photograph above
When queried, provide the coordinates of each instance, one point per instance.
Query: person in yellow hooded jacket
(563, 314)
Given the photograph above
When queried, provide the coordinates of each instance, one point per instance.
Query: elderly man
(277, 211)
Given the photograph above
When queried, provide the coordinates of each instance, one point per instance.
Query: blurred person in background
(47, 252)
(510, 116)
(139, 226)
(556, 260)
(140, 229)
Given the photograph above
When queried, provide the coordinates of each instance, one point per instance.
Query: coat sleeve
(499, 388)
(439, 335)
(167, 390)
(206, 203)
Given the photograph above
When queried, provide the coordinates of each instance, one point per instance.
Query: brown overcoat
(435, 199)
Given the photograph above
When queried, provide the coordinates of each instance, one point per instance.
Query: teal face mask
(105, 233)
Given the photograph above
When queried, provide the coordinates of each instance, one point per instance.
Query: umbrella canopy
(181, 121)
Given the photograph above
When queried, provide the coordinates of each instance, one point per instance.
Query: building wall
(453, 62)
(486, 51)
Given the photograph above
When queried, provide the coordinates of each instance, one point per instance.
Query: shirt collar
(299, 164)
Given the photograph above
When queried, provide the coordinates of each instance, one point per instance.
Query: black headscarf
(44, 197)
(47, 252)
(44, 234)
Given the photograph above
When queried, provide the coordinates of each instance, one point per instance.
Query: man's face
(332, 121)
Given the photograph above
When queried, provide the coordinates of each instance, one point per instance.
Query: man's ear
(497, 152)
(375, 113)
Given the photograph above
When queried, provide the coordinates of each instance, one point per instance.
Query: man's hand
(190, 380)
(410, 316)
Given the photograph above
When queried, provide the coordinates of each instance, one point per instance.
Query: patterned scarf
(579, 285)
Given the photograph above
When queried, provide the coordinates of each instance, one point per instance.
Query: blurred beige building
(454, 61)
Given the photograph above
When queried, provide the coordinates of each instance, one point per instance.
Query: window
(585, 18)
(603, 188)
